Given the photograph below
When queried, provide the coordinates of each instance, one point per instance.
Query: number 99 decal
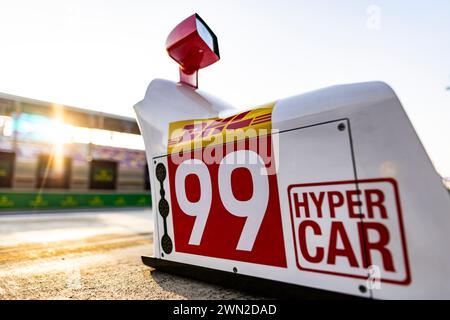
(228, 209)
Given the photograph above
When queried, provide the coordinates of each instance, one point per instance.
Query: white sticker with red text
(346, 228)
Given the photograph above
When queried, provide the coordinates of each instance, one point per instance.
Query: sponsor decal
(343, 228)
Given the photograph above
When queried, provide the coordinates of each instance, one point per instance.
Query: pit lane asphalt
(88, 255)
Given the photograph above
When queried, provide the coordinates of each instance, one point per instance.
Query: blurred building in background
(54, 156)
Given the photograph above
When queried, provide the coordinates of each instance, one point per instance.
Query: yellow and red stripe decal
(196, 133)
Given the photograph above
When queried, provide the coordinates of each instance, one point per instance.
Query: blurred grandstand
(55, 156)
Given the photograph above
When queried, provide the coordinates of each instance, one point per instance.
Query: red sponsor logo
(203, 128)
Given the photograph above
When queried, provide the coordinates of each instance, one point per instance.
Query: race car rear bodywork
(330, 189)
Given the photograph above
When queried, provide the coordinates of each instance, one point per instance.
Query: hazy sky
(101, 54)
